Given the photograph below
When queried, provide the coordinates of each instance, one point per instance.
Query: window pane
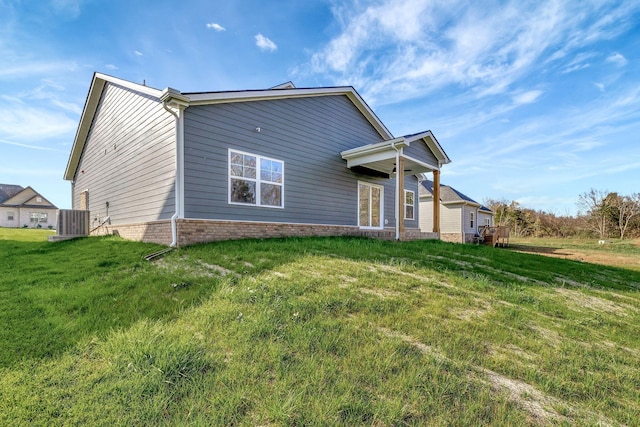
(408, 197)
(236, 158)
(363, 206)
(249, 172)
(375, 207)
(236, 170)
(409, 212)
(243, 191)
(250, 161)
(271, 195)
(276, 177)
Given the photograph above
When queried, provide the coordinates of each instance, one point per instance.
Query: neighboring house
(461, 217)
(179, 168)
(20, 207)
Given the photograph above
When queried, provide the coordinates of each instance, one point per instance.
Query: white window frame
(10, 216)
(37, 217)
(381, 188)
(487, 222)
(413, 205)
(258, 180)
(471, 219)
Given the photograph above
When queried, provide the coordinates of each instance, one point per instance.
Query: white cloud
(600, 86)
(29, 146)
(617, 59)
(485, 50)
(26, 123)
(25, 67)
(527, 97)
(137, 53)
(214, 26)
(111, 67)
(264, 43)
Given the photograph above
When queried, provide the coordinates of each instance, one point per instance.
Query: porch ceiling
(381, 157)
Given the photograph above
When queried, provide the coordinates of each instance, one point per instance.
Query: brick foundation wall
(452, 237)
(152, 232)
(191, 231)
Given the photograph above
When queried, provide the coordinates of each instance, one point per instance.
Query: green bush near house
(314, 331)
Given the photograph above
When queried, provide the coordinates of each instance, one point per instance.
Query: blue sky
(534, 101)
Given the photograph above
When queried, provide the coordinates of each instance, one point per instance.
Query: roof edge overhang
(170, 95)
(98, 83)
(381, 157)
(209, 98)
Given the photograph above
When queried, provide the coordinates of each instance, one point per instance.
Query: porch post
(436, 201)
(400, 195)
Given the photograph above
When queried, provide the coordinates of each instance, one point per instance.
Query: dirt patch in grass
(424, 348)
(552, 337)
(381, 293)
(593, 256)
(198, 268)
(536, 403)
(480, 309)
(580, 299)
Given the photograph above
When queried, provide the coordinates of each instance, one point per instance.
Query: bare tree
(597, 206)
(627, 208)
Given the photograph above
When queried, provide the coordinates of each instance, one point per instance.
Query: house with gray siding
(25, 207)
(180, 168)
(461, 217)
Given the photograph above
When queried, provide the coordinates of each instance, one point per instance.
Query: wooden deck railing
(496, 235)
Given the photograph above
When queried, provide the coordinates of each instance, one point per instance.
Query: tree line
(603, 214)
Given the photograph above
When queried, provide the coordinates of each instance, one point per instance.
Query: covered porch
(397, 158)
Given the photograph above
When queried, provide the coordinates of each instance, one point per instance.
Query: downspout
(174, 228)
(174, 102)
(397, 208)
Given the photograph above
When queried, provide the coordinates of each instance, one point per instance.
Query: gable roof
(26, 197)
(9, 190)
(429, 138)
(450, 196)
(169, 95)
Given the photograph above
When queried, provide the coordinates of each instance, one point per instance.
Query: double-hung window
(471, 219)
(409, 198)
(255, 180)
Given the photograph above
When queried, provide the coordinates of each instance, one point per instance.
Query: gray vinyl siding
(411, 184)
(420, 151)
(467, 210)
(128, 159)
(483, 217)
(307, 134)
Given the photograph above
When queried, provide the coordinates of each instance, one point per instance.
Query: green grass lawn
(317, 331)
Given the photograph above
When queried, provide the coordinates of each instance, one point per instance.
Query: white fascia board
(91, 105)
(378, 147)
(130, 85)
(370, 158)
